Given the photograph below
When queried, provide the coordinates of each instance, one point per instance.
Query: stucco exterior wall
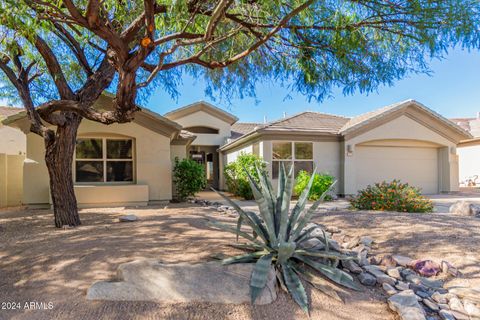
(153, 166)
(201, 118)
(400, 132)
(11, 180)
(12, 141)
(469, 162)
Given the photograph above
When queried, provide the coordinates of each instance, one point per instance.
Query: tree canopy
(311, 45)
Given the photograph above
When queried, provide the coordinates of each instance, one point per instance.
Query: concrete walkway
(442, 202)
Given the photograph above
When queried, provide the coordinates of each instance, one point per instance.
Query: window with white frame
(104, 160)
(298, 154)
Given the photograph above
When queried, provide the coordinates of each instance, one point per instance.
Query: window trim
(294, 155)
(104, 161)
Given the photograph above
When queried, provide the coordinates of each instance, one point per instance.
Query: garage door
(417, 166)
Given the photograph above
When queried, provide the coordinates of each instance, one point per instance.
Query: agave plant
(277, 238)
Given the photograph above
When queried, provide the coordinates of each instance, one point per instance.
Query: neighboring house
(469, 152)
(12, 140)
(131, 164)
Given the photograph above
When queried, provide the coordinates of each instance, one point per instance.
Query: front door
(208, 157)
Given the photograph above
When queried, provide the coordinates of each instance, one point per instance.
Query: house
(13, 141)
(469, 152)
(12, 155)
(131, 164)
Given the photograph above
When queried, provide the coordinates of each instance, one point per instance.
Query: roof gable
(145, 117)
(202, 106)
(410, 108)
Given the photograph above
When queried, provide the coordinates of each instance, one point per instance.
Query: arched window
(202, 129)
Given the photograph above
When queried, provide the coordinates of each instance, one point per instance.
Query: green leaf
(334, 274)
(249, 257)
(286, 193)
(316, 281)
(242, 234)
(285, 251)
(302, 222)
(300, 205)
(259, 277)
(295, 287)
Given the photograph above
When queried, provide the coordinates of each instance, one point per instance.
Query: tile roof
(310, 121)
(241, 128)
(368, 116)
(6, 112)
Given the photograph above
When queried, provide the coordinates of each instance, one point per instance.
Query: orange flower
(146, 41)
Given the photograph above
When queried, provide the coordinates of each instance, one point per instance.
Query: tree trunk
(59, 158)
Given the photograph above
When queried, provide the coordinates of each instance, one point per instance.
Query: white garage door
(417, 166)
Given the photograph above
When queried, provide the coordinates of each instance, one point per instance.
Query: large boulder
(465, 208)
(150, 280)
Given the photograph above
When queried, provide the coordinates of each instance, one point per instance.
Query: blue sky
(453, 90)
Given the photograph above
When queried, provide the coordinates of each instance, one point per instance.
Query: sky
(453, 90)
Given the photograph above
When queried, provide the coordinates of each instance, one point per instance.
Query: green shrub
(392, 196)
(236, 178)
(188, 177)
(321, 183)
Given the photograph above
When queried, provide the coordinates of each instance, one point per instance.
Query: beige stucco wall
(469, 162)
(11, 180)
(326, 155)
(201, 118)
(12, 141)
(400, 132)
(153, 166)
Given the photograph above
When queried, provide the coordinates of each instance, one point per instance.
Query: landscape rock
(380, 276)
(406, 305)
(362, 258)
(402, 286)
(471, 309)
(465, 208)
(426, 268)
(395, 273)
(431, 305)
(128, 218)
(443, 306)
(334, 245)
(448, 268)
(459, 315)
(388, 261)
(352, 266)
(389, 289)
(367, 279)
(150, 280)
(422, 294)
(313, 243)
(446, 315)
(456, 305)
(439, 298)
(352, 243)
(402, 260)
(471, 294)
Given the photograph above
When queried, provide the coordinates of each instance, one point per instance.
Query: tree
(58, 56)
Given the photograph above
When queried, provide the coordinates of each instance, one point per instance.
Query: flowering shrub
(392, 196)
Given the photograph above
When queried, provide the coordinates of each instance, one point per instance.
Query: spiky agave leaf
(249, 257)
(285, 190)
(300, 205)
(303, 220)
(334, 274)
(259, 277)
(285, 251)
(264, 206)
(316, 281)
(295, 286)
(239, 232)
